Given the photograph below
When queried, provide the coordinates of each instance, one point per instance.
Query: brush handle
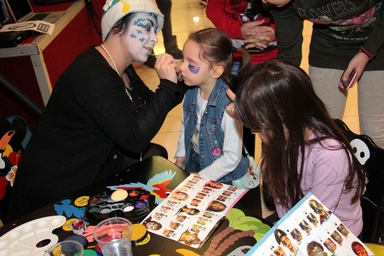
(155, 55)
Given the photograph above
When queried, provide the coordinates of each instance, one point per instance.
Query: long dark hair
(278, 99)
(216, 47)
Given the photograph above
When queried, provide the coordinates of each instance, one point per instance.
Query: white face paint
(141, 37)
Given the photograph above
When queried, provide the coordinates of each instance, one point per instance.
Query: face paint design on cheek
(193, 69)
(139, 34)
(141, 23)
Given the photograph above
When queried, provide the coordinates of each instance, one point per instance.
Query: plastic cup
(65, 248)
(113, 236)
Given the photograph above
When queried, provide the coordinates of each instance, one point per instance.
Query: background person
(304, 150)
(169, 40)
(100, 117)
(348, 35)
(250, 25)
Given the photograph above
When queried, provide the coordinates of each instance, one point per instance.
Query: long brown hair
(278, 97)
(216, 47)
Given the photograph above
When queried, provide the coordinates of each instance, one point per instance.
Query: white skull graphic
(361, 150)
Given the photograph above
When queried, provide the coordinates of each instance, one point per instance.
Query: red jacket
(225, 15)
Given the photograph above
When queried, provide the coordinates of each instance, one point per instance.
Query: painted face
(190, 238)
(153, 225)
(359, 250)
(331, 246)
(217, 206)
(317, 251)
(278, 3)
(279, 251)
(318, 208)
(194, 70)
(141, 37)
(180, 196)
(180, 218)
(296, 235)
(286, 242)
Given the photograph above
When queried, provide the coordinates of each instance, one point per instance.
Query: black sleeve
(289, 33)
(104, 98)
(376, 38)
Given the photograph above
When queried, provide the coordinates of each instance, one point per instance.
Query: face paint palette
(133, 204)
(31, 238)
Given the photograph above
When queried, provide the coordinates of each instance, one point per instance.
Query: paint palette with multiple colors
(132, 204)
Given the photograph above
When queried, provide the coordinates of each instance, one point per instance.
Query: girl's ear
(217, 71)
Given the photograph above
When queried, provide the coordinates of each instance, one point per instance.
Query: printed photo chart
(193, 210)
(309, 228)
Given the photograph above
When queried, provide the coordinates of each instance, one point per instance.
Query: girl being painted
(210, 141)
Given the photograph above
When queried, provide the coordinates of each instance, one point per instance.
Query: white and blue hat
(114, 10)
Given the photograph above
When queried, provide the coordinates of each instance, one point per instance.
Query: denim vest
(211, 137)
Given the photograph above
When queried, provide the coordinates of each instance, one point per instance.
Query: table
(243, 220)
(35, 49)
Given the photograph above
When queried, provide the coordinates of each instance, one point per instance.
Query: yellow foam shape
(377, 249)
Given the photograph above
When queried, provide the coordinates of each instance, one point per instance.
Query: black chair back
(372, 158)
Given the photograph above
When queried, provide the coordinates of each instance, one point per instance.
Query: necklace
(110, 57)
(128, 94)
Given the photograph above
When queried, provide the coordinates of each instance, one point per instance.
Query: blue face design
(144, 26)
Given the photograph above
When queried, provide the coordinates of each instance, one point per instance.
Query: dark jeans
(165, 7)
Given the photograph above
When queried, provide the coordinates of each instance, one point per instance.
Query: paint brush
(155, 55)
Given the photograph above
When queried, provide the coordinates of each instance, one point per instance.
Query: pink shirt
(324, 173)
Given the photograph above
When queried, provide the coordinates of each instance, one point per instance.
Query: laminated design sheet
(193, 210)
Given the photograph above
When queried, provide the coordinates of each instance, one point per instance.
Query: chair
(372, 202)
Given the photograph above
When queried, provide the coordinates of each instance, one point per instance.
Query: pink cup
(113, 236)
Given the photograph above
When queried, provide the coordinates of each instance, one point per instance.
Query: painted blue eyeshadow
(193, 69)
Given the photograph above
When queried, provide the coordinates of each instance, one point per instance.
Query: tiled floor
(189, 16)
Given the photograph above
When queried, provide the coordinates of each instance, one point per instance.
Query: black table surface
(141, 173)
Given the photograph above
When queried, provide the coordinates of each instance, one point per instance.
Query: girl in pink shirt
(303, 148)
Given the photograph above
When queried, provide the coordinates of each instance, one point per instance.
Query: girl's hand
(358, 62)
(180, 162)
(166, 67)
(230, 109)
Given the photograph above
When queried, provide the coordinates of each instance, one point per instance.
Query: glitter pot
(79, 226)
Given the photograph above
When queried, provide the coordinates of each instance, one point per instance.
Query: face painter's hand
(230, 109)
(165, 67)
